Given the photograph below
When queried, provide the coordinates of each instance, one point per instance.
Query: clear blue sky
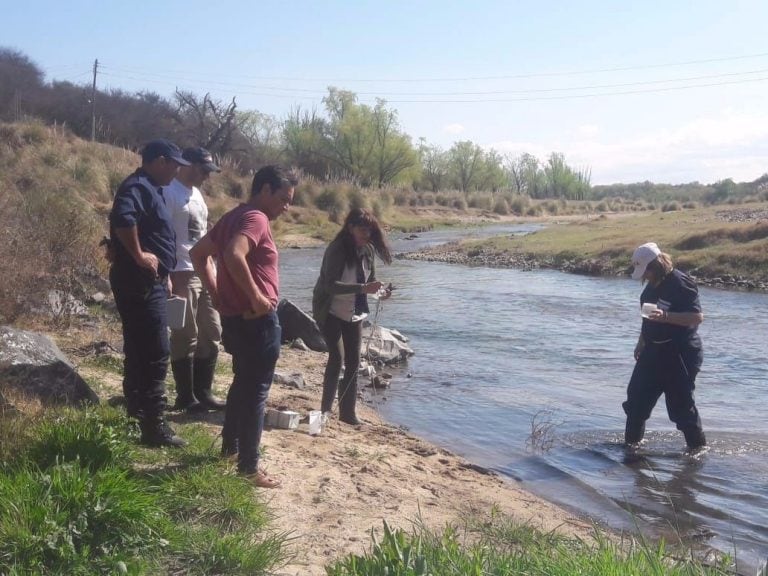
(668, 91)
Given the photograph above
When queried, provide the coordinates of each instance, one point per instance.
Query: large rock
(383, 345)
(32, 364)
(298, 324)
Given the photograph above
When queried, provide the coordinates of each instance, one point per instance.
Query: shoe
(261, 479)
(352, 420)
(158, 434)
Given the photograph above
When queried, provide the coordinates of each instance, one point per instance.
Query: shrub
(519, 204)
(671, 206)
(459, 204)
(501, 206)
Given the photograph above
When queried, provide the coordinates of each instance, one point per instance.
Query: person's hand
(371, 287)
(639, 349)
(657, 315)
(262, 308)
(386, 293)
(149, 261)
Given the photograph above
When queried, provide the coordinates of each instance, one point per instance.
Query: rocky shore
(455, 253)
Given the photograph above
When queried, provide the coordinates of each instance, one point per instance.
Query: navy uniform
(668, 363)
(141, 296)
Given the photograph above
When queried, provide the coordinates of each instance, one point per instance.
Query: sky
(661, 90)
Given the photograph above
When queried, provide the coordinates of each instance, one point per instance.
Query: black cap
(161, 147)
(202, 157)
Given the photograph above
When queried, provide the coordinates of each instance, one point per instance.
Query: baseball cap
(161, 147)
(642, 256)
(200, 156)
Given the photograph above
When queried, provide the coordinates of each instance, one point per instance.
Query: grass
(499, 546)
(77, 496)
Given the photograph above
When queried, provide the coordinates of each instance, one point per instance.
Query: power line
(499, 77)
(384, 94)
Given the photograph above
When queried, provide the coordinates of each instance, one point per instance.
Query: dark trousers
(343, 340)
(141, 303)
(662, 369)
(255, 347)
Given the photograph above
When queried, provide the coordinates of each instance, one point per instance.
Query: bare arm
(129, 238)
(235, 260)
(201, 255)
(687, 319)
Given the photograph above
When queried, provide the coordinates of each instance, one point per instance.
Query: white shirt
(190, 219)
(343, 305)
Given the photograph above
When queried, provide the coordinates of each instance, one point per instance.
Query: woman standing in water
(340, 303)
(668, 352)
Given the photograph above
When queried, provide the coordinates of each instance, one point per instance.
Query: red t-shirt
(262, 257)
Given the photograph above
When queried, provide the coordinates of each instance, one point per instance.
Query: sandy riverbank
(345, 482)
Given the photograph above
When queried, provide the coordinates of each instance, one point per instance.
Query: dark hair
(274, 175)
(362, 217)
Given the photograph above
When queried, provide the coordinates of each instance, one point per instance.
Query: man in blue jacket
(144, 252)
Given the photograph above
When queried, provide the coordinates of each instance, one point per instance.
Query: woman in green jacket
(339, 303)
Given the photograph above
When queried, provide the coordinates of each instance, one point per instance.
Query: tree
(304, 144)
(364, 143)
(20, 83)
(434, 166)
(465, 159)
(262, 133)
(562, 181)
(209, 123)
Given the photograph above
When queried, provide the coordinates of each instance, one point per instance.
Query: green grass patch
(79, 496)
(499, 546)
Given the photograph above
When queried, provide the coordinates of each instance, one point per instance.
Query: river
(524, 372)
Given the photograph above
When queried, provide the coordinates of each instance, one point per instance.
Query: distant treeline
(346, 141)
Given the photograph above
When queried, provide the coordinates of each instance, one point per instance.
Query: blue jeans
(255, 347)
(141, 302)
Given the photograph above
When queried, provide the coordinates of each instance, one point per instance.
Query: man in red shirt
(244, 287)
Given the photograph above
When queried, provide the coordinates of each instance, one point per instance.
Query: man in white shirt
(195, 347)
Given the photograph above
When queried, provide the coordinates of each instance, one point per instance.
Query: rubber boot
(183, 374)
(348, 401)
(634, 432)
(156, 432)
(202, 378)
(694, 437)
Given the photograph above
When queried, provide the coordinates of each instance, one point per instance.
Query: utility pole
(93, 101)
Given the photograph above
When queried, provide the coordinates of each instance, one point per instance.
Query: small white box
(285, 419)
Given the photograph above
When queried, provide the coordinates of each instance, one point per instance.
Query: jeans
(255, 347)
(141, 303)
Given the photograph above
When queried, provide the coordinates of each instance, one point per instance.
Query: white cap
(643, 256)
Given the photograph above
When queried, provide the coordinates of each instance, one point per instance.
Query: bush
(459, 204)
(519, 204)
(671, 206)
(333, 201)
(501, 206)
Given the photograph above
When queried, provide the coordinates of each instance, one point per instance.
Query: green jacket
(328, 283)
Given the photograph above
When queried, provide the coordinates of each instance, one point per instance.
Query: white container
(647, 308)
(177, 312)
(315, 422)
(285, 419)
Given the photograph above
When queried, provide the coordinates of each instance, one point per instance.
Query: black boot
(156, 433)
(202, 377)
(183, 374)
(694, 437)
(634, 432)
(348, 401)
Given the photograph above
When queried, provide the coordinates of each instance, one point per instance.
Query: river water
(524, 372)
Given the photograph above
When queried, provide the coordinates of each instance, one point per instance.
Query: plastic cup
(315, 422)
(647, 308)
